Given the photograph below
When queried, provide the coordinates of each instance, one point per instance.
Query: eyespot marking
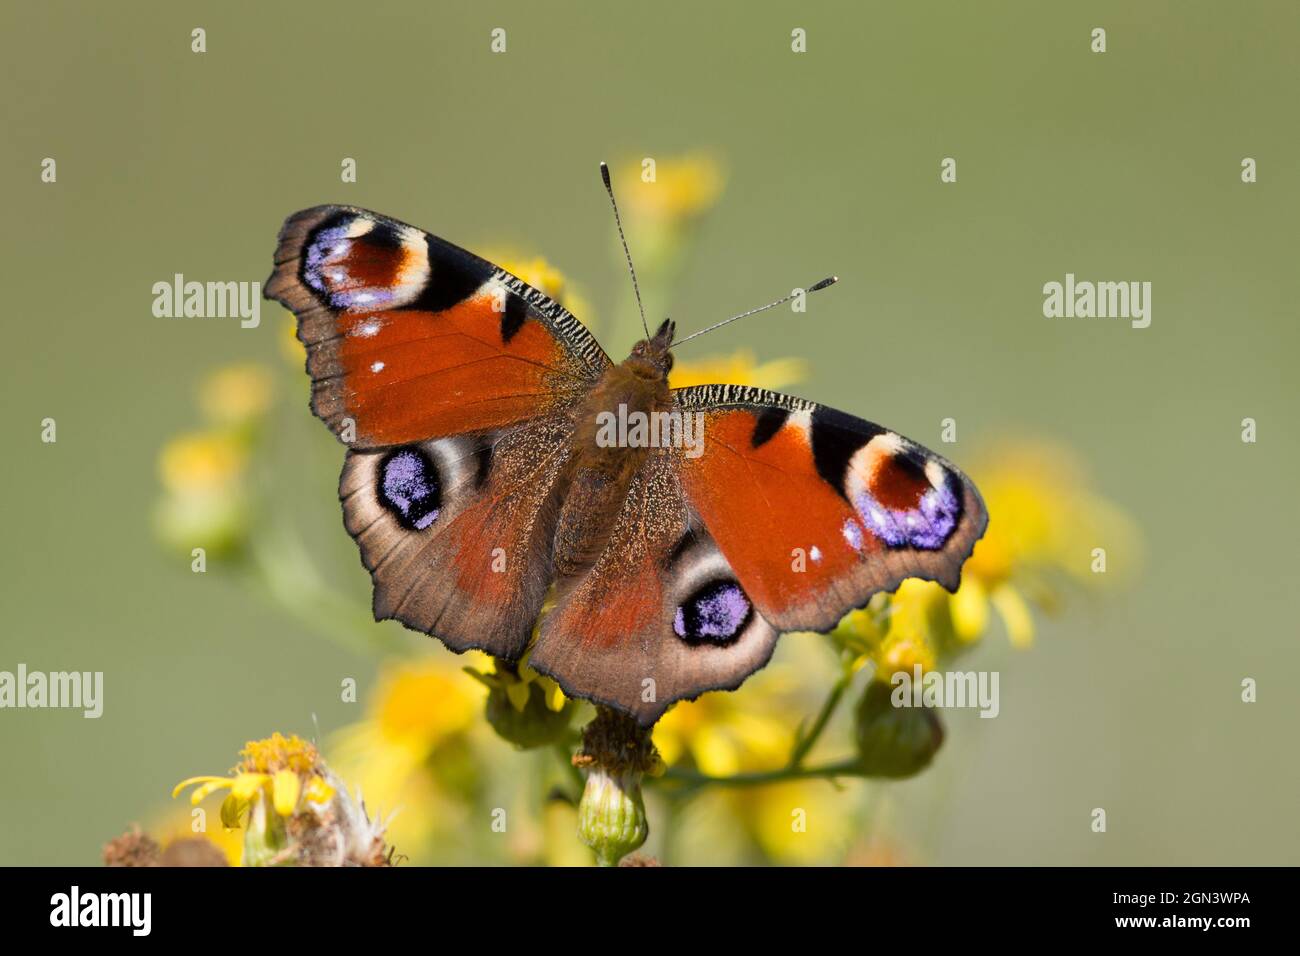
(927, 525)
(356, 263)
(715, 614)
(409, 488)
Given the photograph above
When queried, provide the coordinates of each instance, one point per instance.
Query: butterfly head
(651, 357)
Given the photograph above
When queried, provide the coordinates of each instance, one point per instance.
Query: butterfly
(481, 477)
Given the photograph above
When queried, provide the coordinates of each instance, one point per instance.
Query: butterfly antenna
(604, 175)
(815, 287)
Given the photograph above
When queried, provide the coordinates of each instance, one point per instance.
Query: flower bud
(616, 753)
(894, 741)
(611, 814)
(535, 724)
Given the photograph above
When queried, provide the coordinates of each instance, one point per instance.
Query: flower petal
(212, 786)
(176, 790)
(970, 609)
(246, 785)
(555, 699)
(1015, 615)
(284, 792)
(518, 694)
(526, 673)
(318, 791)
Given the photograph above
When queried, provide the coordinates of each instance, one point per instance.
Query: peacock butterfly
(482, 471)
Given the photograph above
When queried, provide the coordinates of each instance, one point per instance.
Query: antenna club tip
(604, 173)
(828, 281)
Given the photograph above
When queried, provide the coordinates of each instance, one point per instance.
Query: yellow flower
(663, 202)
(536, 271)
(205, 502)
(283, 768)
(722, 733)
(1014, 611)
(292, 808)
(203, 473)
(1044, 522)
(277, 753)
(411, 753)
(738, 368)
(720, 738)
(517, 684)
(908, 642)
(1044, 514)
(970, 608)
(421, 703)
(799, 822)
(682, 187)
(202, 461)
(544, 277)
(291, 349)
(236, 394)
(793, 822)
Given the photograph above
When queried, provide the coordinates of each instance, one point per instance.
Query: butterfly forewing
(817, 510)
(409, 337)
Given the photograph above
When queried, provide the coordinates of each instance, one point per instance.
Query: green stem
(692, 779)
(804, 745)
(283, 570)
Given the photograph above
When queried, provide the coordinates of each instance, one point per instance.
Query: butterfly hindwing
(456, 532)
(410, 337)
(659, 617)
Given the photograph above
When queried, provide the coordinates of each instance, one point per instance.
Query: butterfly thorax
(607, 454)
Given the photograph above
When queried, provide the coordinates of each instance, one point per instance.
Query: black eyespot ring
(716, 613)
(408, 487)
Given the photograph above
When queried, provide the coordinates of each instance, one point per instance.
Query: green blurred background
(1117, 166)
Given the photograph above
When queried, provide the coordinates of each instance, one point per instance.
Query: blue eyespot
(409, 488)
(927, 526)
(715, 614)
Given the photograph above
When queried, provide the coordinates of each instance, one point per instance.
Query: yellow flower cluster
(282, 769)
(412, 753)
(673, 191)
(517, 684)
(1047, 527)
(205, 500)
(293, 810)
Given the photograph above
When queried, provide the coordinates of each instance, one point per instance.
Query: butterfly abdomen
(607, 455)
